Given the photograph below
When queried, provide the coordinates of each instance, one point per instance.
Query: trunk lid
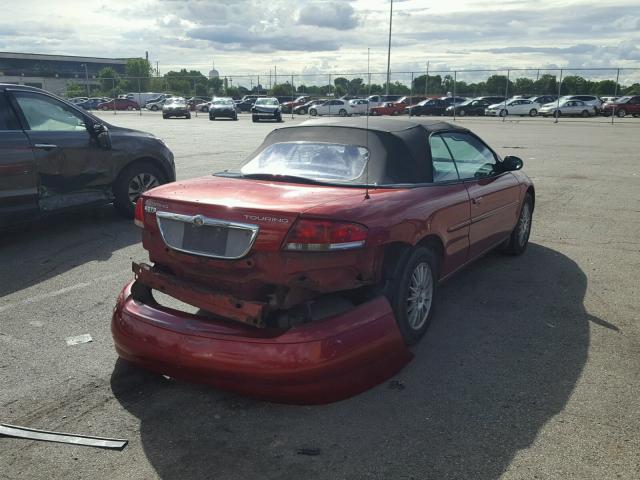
(229, 207)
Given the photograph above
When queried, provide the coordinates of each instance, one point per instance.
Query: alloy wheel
(420, 296)
(140, 184)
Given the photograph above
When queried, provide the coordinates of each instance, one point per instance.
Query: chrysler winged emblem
(198, 220)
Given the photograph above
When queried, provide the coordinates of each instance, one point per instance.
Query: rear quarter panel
(408, 216)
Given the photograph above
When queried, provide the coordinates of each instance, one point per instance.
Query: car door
(494, 194)
(452, 217)
(71, 168)
(18, 180)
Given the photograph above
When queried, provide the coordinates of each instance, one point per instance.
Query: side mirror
(102, 136)
(511, 163)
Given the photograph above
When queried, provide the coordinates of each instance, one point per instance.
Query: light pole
(86, 78)
(389, 49)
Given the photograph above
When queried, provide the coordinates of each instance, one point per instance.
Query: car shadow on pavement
(507, 346)
(35, 252)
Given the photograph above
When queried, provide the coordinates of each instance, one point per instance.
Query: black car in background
(431, 106)
(544, 99)
(473, 106)
(55, 156)
(223, 108)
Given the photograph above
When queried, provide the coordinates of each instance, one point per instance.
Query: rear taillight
(139, 215)
(325, 236)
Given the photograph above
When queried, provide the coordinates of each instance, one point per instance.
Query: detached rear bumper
(321, 362)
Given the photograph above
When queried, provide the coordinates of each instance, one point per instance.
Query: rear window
(315, 161)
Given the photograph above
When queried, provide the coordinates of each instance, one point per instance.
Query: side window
(46, 114)
(8, 119)
(472, 157)
(444, 170)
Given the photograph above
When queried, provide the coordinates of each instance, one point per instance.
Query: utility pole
(86, 79)
(389, 49)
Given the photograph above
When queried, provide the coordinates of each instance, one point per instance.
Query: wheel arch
(532, 191)
(396, 253)
(148, 160)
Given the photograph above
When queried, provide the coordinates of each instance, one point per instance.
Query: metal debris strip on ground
(84, 338)
(47, 436)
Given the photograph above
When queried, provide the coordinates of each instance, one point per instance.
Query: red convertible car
(316, 264)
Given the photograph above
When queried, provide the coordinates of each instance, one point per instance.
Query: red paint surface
(326, 361)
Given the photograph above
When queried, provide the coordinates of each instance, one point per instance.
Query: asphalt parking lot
(531, 368)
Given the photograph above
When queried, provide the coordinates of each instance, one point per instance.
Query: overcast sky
(311, 36)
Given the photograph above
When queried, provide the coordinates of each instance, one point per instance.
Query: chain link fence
(416, 86)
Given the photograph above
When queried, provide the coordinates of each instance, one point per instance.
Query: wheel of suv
(533, 112)
(503, 113)
(279, 117)
(188, 116)
(313, 112)
(154, 108)
(129, 107)
(622, 113)
(342, 112)
(585, 113)
(462, 113)
(235, 116)
(211, 117)
(204, 109)
(132, 182)
(302, 111)
(254, 118)
(411, 292)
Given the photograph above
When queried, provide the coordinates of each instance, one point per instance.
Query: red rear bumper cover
(322, 362)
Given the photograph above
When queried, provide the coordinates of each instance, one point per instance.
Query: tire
(313, 112)
(166, 117)
(254, 119)
(519, 238)
(154, 108)
(235, 118)
(132, 181)
(302, 111)
(129, 107)
(557, 113)
(104, 109)
(212, 118)
(461, 113)
(585, 113)
(279, 118)
(533, 112)
(204, 109)
(504, 113)
(188, 116)
(622, 113)
(342, 112)
(417, 271)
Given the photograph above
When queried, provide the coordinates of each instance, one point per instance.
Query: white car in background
(513, 106)
(331, 107)
(567, 107)
(594, 102)
(358, 106)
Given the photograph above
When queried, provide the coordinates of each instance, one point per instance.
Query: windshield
(176, 101)
(315, 161)
(267, 101)
(222, 101)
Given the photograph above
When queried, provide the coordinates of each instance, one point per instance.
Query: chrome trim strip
(254, 229)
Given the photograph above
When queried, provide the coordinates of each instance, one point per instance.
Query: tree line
(187, 83)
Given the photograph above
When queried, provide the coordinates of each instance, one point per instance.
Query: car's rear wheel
(342, 112)
(585, 113)
(188, 116)
(302, 111)
(557, 113)
(519, 238)
(462, 113)
(154, 108)
(503, 113)
(412, 291)
(533, 112)
(313, 112)
(622, 113)
(132, 182)
(129, 107)
(105, 108)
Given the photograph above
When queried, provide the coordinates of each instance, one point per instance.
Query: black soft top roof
(399, 148)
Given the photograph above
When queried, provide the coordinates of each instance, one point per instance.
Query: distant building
(54, 72)
(213, 73)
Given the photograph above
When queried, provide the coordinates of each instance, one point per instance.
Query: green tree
(138, 68)
(108, 79)
(523, 85)
(434, 84)
(496, 85)
(632, 89)
(546, 85)
(76, 90)
(282, 90)
(575, 85)
(606, 87)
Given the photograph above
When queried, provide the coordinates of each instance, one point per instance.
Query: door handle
(477, 200)
(45, 146)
